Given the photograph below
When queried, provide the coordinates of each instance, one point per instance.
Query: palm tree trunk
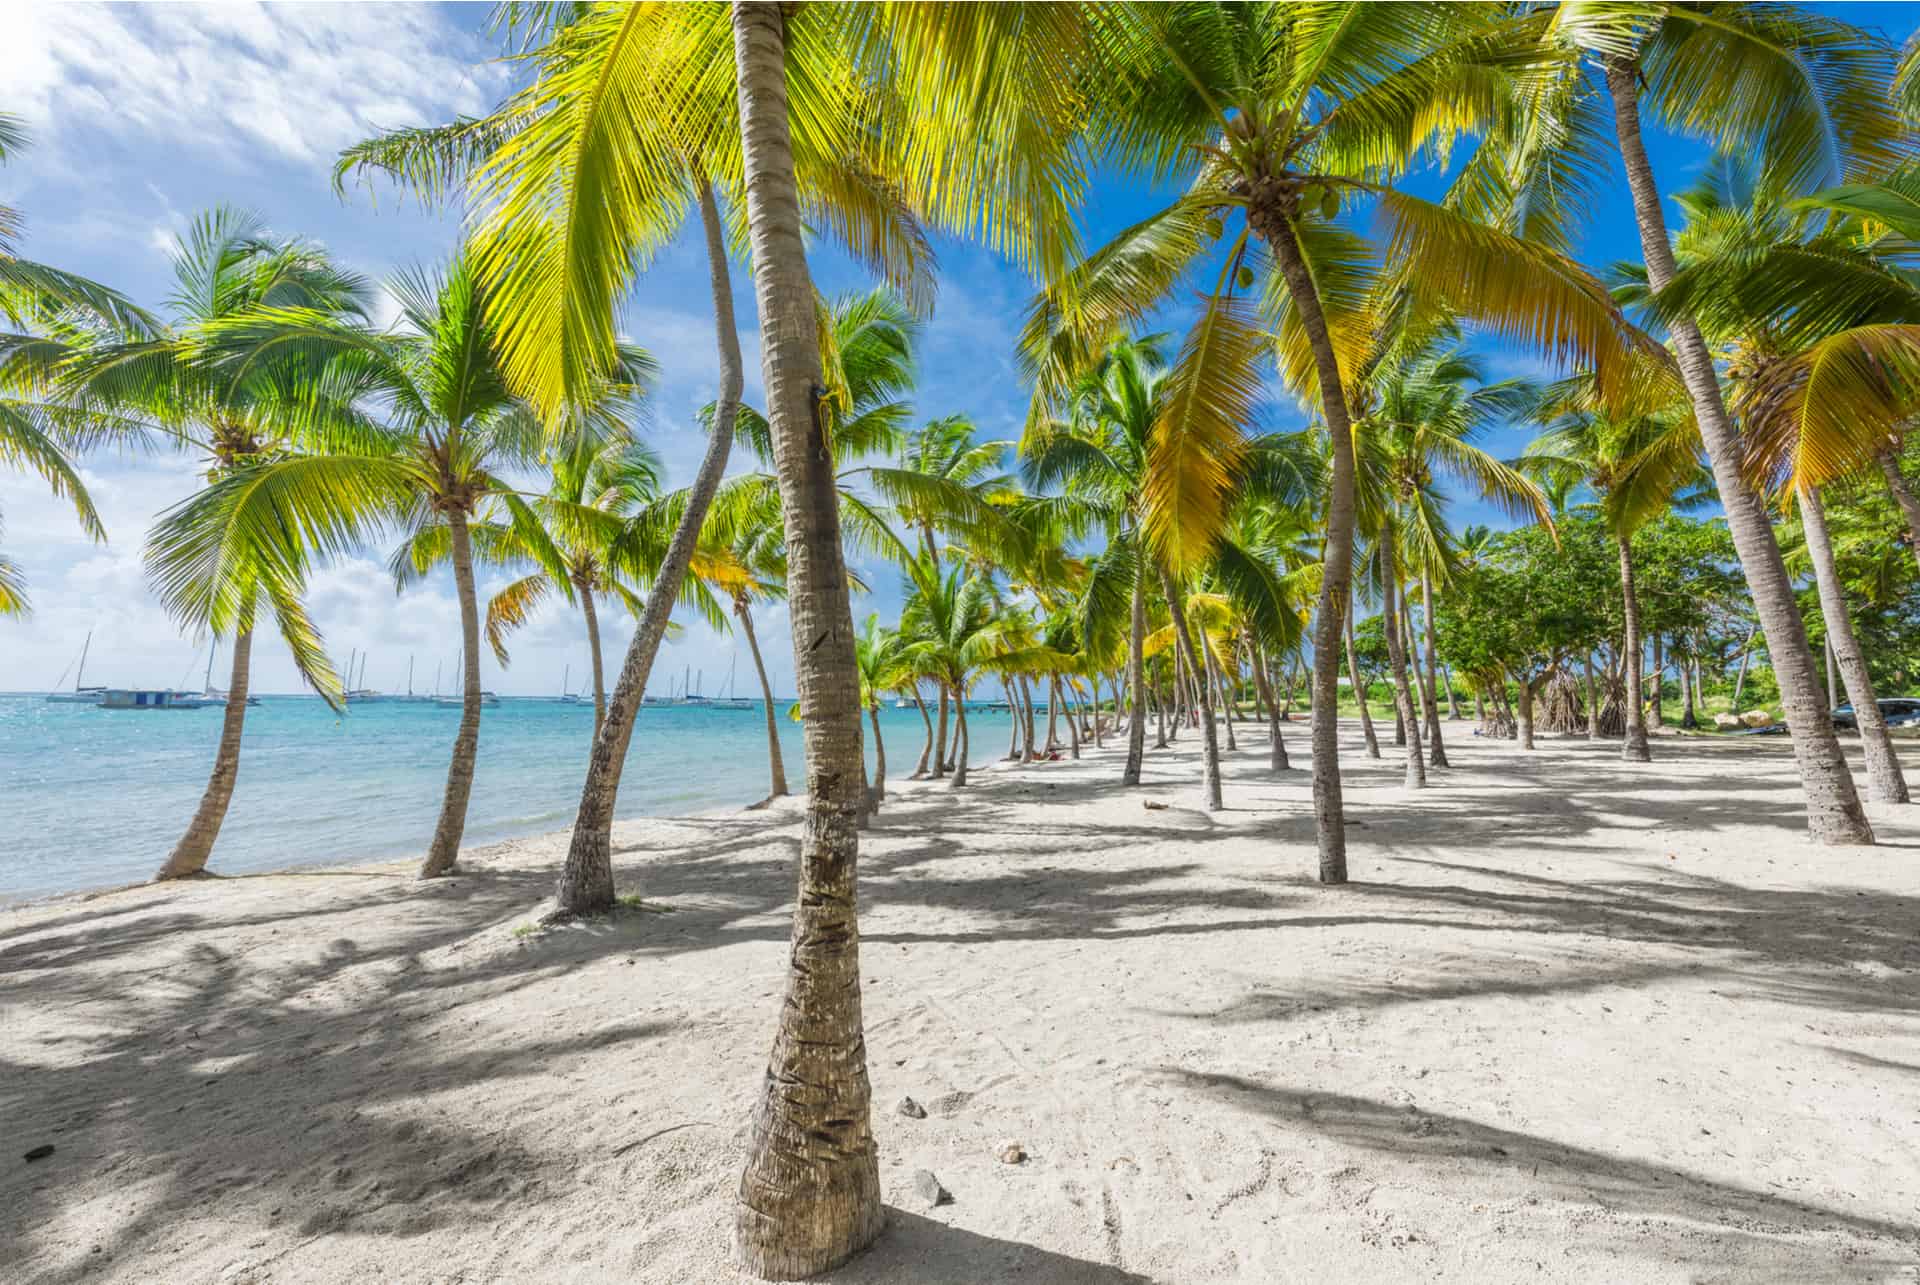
(1053, 712)
(926, 750)
(1436, 748)
(1593, 699)
(1209, 737)
(586, 881)
(1453, 700)
(1636, 748)
(940, 738)
(1746, 658)
(1884, 777)
(1526, 713)
(810, 1195)
(1416, 778)
(1293, 677)
(1276, 748)
(1073, 722)
(1902, 495)
(879, 756)
(960, 737)
(1658, 715)
(1218, 679)
(1360, 692)
(775, 762)
(1329, 814)
(189, 856)
(1013, 719)
(1027, 753)
(445, 848)
(1833, 674)
(588, 610)
(1099, 731)
(1834, 814)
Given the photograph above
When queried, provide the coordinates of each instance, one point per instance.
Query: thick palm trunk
(776, 764)
(1636, 748)
(1329, 815)
(586, 881)
(1209, 737)
(189, 856)
(810, 1193)
(1360, 692)
(879, 757)
(1416, 778)
(1884, 777)
(1436, 748)
(592, 615)
(959, 777)
(940, 737)
(1834, 814)
(926, 749)
(445, 848)
(1903, 496)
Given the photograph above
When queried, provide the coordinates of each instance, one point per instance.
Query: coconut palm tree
(597, 492)
(234, 416)
(452, 425)
(1289, 113)
(1808, 94)
(743, 559)
(884, 666)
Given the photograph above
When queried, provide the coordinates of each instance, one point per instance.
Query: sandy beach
(1574, 1020)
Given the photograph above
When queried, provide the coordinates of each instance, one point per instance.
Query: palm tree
(1808, 93)
(884, 666)
(745, 560)
(1287, 113)
(235, 417)
(453, 423)
(598, 491)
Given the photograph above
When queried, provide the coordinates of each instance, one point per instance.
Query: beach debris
(1151, 806)
(911, 1109)
(40, 1152)
(928, 1190)
(1011, 1153)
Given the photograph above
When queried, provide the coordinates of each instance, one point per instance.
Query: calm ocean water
(92, 797)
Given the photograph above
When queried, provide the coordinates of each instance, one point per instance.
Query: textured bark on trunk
(592, 615)
(1436, 747)
(1329, 814)
(586, 880)
(1416, 778)
(1834, 813)
(189, 856)
(1209, 736)
(1636, 748)
(940, 737)
(1593, 700)
(1360, 693)
(879, 757)
(1746, 658)
(959, 777)
(776, 763)
(1159, 719)
(810, 1193)
(926, 749)
(1884, 777)
(1903, 496)
(1526, 715)
(445, 848)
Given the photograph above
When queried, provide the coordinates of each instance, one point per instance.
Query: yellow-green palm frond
(1199, 434)
(1521, 292)
(1821, 414)
(13, 590)
(1346, 275)
(27, 440)
(512, 607)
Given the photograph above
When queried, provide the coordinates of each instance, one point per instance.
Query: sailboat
(731, 700)
(80, 695)
(412, 697)
(458, 698)
(696, 698)
(357, 692)
(568, 697)
(209, 694)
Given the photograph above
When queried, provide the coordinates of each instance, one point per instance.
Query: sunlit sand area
(1572, 1020)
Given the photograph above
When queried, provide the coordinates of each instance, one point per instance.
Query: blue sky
(144, 115)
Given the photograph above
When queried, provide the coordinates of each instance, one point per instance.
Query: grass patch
(634, 901)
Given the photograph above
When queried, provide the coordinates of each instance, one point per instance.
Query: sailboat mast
(211, 648)
(353, 654)
(564, 677)
(409, 675)
(83, 661)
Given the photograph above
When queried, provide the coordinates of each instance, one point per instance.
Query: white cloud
(298, 80)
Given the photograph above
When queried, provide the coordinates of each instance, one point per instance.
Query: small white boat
(569, 697)
(80, 695)
(731, 700)
(151, 698)
(486, 698)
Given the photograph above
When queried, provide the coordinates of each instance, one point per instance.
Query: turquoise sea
(92, 797)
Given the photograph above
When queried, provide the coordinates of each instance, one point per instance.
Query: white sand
(1573, 1021)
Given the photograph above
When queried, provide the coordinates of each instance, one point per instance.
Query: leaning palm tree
(452, 427)
(597, 492)
(234, 416)
(1808, 94)
(1288, 114)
